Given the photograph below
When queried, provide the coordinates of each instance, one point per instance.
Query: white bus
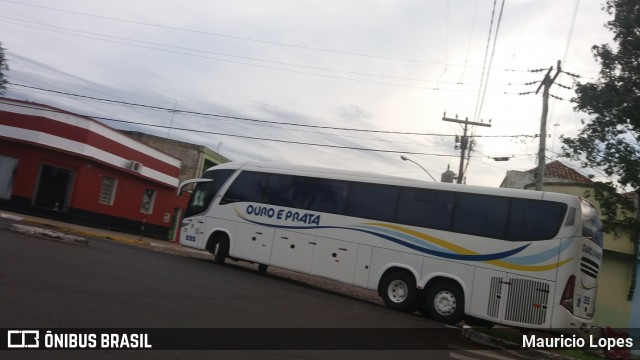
(515, 257)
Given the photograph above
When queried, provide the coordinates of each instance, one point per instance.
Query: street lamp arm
(425, 170)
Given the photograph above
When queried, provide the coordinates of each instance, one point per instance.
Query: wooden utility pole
(546, 84)
(464, 141)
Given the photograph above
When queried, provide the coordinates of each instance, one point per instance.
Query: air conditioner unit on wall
(135, 166)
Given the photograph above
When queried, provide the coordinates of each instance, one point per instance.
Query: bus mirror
(183, 184)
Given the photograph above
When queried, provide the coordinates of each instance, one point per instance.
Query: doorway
(54, 188)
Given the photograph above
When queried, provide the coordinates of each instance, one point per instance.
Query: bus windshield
(204, 192)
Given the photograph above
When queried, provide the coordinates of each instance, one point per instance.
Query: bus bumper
(564, 321)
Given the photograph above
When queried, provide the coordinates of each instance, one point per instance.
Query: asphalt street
(50, 284)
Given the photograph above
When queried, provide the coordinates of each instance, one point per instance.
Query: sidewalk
(83, 234)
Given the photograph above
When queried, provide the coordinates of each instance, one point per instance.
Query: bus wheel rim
(398, 291)
(445, 303)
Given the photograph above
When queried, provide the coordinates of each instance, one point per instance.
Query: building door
(54, 188)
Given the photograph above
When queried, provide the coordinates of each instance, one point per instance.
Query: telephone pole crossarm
(466, 122)
(465, 140)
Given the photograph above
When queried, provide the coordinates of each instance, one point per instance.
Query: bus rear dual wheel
(398, 291)
(443, 301)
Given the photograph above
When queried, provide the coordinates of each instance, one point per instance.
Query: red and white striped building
(61, 165)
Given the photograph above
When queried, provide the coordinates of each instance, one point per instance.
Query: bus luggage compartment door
(293, 251)
(253, 243)
(334, 259)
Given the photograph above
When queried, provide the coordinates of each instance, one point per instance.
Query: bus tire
(398, 291)
(222, 251)
(444, 302)
(262, 268)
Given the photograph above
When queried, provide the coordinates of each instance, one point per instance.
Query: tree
(3, 66)
(610, 138)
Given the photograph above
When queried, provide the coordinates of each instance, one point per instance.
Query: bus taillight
(567, 294)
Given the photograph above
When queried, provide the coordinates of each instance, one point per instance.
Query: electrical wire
(210, 52)
(200, 32)
(188, 112)
(229, 135)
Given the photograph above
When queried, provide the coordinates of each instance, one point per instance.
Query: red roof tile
(562, 171)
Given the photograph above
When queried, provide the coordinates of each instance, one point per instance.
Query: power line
(188, 112)
(208, 52)
(435, 88)
(231, 135)
(243, 38)
(493, 51)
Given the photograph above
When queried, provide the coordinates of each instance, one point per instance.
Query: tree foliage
(610, 138)
(4, 66)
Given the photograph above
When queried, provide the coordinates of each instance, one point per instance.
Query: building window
(148, 198)
(108, 190)
(8, 166)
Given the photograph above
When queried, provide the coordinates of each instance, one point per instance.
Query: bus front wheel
(222, 251)
(444, 302)
(398, 290)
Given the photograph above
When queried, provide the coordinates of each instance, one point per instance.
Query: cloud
(401, 65)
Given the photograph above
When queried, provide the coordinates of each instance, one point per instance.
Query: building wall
(612, 307)
(63, 160)
(524, 179)
(83, 204)
(195, 158)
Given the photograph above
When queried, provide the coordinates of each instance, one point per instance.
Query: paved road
(44, 283)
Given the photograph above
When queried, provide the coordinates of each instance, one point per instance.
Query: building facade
(195, 160)
(60, 165)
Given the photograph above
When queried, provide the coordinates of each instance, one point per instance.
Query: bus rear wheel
(444, 302)
(398, 290)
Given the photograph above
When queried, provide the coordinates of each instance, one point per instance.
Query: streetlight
(425, 170)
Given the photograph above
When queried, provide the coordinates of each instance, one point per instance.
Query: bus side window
(248, 186)
(481, 215)
(535, 220)
(329, 196)
(425, 208)
(286, 190)
(372, 201)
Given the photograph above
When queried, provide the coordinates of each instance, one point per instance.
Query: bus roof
(362, 176)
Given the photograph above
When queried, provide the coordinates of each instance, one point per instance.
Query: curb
(49, 234)
(63, 233)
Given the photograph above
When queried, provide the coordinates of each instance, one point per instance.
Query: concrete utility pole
(546, 84)
(464, 141)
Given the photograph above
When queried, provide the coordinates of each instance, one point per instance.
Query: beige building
(618, 268)
(195, 158)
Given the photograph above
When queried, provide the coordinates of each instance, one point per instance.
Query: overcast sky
(379, 65)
